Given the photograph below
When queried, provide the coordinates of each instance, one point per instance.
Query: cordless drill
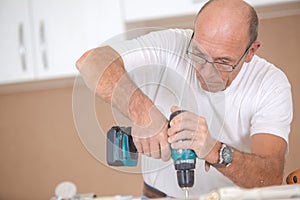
(184, 162)
(121, 151)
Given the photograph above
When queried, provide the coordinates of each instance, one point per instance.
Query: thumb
(175, 108)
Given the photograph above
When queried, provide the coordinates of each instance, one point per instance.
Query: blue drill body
(183, 154)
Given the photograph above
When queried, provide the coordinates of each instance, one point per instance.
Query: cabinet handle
(22, 49)
(43, 48)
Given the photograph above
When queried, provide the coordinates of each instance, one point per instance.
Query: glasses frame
(233, 67)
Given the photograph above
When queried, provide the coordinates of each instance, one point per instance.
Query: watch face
(227, 155)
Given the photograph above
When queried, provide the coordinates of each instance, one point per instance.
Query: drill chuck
(185, 178)
(185, 163)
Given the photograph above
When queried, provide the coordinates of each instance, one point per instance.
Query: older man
(239, 106)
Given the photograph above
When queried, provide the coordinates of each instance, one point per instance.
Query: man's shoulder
(266, 71)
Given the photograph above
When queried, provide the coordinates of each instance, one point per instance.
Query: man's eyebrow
(197, 51)
(224, 58)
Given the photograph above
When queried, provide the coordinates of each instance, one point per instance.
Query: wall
(40, 147)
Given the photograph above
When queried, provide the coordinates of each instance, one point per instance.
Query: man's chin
(213, 87)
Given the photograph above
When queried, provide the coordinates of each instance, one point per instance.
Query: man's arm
(103, 72)
(262, 167)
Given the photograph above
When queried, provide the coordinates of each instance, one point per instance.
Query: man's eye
(223, 61)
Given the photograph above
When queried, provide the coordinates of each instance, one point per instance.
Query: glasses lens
(223, 67)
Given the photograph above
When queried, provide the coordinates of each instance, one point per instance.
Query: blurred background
(40, 41)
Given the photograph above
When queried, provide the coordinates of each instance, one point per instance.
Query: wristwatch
(225, 156)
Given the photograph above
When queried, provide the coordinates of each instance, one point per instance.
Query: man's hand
(189, 131)
(149, 129)
(152, 141)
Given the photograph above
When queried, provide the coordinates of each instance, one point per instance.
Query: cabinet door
(64, 30)
(15, 42)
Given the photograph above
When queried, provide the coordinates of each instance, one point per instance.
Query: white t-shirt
(258, 101)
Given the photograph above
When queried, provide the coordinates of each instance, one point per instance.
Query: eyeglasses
(222, 67)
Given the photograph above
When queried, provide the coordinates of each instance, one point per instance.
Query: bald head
(231, 15)
(226, 32)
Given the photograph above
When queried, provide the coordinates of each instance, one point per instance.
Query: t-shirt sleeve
(274, 109)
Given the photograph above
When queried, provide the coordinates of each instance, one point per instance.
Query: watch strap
(222, 162)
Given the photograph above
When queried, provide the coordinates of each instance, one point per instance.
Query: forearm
(116, 87)
(103, 72)
(92, 66)
(249, 170)
(130, 100)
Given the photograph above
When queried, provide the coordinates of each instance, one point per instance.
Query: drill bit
(186, 193)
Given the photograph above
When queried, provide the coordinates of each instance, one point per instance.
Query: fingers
(143, 146)
(183, 144)
(156, 149)
(187, 121)
(186, 140)
(190, 131)
(183, 135)
(138, 145)
(146, 147)
(165, 151)
(155, 146)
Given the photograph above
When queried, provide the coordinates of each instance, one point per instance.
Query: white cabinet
(140, 10)
(16, 61)
(42, 39)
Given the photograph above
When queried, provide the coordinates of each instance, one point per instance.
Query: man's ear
(254, 47)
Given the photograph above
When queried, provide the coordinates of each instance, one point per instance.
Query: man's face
(223, 43)
(214, 73)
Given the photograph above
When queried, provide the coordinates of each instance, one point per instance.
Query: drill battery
(120, 149)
